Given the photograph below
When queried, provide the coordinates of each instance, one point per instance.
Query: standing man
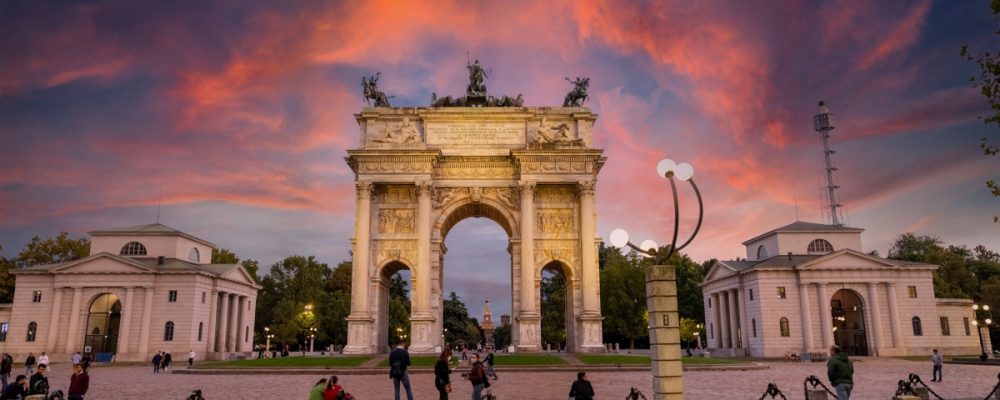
(191, 358)
(840, 371)
(936, 359)
(29, 364)
(79, 382)
(157, 358)
(76, 359)
(582, 389)
(44, 359)
(399, 359)
(39, 382)
(6, 364)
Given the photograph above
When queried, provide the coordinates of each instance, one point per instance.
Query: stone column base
(530, 329)
(359, 335)
(420, 334)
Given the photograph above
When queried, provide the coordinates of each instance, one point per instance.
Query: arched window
(201, 326)
(783, 324)
(819, 246)
(168, 331)
(918, 330)
(246, 334)
(32, 331)
(761, 252)
(193, 255)
(133, 249)
(753, 322)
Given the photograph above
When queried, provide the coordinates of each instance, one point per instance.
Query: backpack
(396, 370)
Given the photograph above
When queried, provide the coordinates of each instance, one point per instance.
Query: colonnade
(228, 313)
(728, 320)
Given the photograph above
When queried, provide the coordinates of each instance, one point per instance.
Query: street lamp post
(980, 323)
(661, 290)
(268, 335)
(312, 338)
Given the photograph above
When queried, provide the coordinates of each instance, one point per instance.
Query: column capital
(527, 187)
(365, 189)
(424, 188)
(586, 188)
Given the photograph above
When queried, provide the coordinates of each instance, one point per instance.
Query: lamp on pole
(268, 335)
(661, 289)
(982, 317)
(312, 338)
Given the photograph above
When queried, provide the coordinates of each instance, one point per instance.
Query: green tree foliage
(502, 337)
(460, 328)
(53, 250)
(224, 256)
(6, 279)
(553, 301)
(988, 82)
(623, 296)
(292, 284)
(399, 309)
(963, 273)
(333, 312)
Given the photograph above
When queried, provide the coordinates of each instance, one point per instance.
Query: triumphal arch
(420, 171)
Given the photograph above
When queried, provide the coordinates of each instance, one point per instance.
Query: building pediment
(718, 270)
(848, 259)
(102, 263)
(240, 274)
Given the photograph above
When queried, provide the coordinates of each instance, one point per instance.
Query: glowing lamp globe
(684, 171)
(664, 166)
(619, 238)
(648, 245)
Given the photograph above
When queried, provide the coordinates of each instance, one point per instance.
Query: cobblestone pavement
(874, 379)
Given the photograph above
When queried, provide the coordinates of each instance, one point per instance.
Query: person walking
(157, 359)
(76, 358)
(166, 361)
(29, 364)
(79, 382)
(191, 358)
(6, 365)
(490, 372)
(442, 368)
(937, 360)
(581, 389)
(840, 371)
(44, 359)
(399, 360)
(317, 391)
(477, 376)
(16, 390)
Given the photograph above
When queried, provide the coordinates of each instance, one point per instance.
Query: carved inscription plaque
(475, 133)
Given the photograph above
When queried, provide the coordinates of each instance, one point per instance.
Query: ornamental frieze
(561, 250)
(396, 220)
(395, 250)
(556, 220)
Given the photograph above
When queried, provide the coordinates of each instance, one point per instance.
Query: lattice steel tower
(823, 124)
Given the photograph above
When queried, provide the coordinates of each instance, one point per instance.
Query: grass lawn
(713, 361)
(415, 361)
(289, 362)
(612, 359)
(515, 359)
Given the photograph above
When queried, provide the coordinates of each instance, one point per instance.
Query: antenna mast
(823, 124)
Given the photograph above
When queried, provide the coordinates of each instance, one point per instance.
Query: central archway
(103, 324)
(849, 330)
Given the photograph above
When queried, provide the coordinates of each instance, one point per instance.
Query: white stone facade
(813, 286)
(420, 171)
(162, 295)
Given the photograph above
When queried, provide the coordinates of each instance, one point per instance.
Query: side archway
(387, 304)
(849, 326)
(103, 322)
(556, 286)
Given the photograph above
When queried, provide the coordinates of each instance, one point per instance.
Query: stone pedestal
(664, 332)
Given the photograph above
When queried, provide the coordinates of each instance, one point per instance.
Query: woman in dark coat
(441, 372)
(581, 390)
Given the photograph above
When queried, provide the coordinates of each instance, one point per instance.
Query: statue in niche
(578, 95)
(369, 86)
(554, 135)
(405, 133)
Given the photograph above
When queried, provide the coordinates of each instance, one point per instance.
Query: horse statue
(578, 95)
(370, 91)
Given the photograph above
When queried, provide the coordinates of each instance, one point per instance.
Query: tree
(292, 284)
(623, 289)
(688, 328)
(6, 279)
(456, 323)
(53, 250)
(501, 337)
(399, 308)
(988, 82)
(955, 277)
(224, 256)
(553, 302)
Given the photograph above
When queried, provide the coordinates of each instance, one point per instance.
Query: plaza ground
(874, 379)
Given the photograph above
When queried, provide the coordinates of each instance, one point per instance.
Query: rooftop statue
(578, 95)
(477, 80)
(369, 86)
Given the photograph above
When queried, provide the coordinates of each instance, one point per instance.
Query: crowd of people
(35, 381)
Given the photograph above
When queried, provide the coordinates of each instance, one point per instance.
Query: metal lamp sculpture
(978, 310)
(661, 289)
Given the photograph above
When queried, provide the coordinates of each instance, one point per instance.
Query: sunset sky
(235, 115)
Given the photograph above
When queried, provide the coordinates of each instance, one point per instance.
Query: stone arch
(458, 211)
(572, 285)
(847, 308)
(380, 290)
(104, 315)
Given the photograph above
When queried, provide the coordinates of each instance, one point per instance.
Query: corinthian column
(125, 333)
(826, 317)
(529, 318)
(807, 330)
(50, 343)
(359, 335)
(421, 320)
(588, 252)
(74, 320)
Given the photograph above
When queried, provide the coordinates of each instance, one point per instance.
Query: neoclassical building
(804, 287)
(142, 289)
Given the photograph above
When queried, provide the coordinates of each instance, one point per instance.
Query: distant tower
(488, 326)
(823, 124)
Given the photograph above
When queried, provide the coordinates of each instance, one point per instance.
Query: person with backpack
(441, 371)
(156, 363)
(6, 365)
(489, 367)
(39, 382)
(840, 371)
(399, 360)
(477, 376)
(29, 364)
(581, 389)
